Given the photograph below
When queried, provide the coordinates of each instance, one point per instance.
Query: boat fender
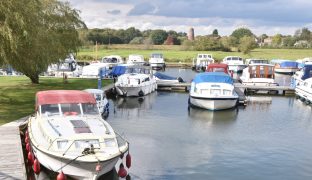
(128, 160)
(30, 158)
(98, 167)
(141, 93)
(61, 176)
(27, 147)
(36, 167)
(180, 79)
(122, 172)
(121, 156)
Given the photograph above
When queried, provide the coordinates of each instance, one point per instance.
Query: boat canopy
(214, 67)
(164, 76)
(118, 70)
(63, 97)
(216, 77)
(289, 64)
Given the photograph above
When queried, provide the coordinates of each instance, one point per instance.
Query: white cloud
(261, 17)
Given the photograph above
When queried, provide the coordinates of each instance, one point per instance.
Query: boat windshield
(72, 109)
(138, 70)
(156, 55)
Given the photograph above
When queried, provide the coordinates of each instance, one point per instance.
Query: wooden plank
(11, 154)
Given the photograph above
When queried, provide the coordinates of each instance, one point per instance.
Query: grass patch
(17, 94)
(175, 54)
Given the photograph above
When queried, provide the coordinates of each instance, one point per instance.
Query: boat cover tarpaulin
(164, 76)
(307, 71)
(63, 97)
(118, 70)
(216, 77)
(292, 64)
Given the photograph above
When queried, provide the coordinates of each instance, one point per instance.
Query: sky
(260, 16)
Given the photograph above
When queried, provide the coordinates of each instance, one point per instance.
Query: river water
(169, 140)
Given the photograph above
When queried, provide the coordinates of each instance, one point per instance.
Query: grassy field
(17, 94)
(176, 54)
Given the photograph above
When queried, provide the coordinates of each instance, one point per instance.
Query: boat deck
(11, 153)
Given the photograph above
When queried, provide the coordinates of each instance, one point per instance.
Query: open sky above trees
(262, 17)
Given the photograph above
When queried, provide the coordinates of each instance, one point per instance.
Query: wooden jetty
(12, 164)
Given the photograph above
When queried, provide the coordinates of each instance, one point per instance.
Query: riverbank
(176, 53)
(17, 94)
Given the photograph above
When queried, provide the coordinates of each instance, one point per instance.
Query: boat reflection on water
(134, 106)
(214, 117)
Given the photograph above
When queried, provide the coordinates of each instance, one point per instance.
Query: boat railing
(121, 141)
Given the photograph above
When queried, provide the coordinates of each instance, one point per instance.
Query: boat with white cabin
(112, 60)
(136, 81)
(258, 74)
(136, 59)
(68, 135)
(157, 61)
(304, 73)
(213, 91)
(202, 61)
(304, 91)
(101, 101)
(235, 63)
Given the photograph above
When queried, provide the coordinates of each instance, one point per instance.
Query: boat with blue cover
(213, 91)
(163, 79)
(285, 66)
(300, 76)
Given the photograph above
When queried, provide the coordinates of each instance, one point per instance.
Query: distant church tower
(190, 35)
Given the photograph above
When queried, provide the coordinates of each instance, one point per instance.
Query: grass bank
(177, 54)
(17, 94)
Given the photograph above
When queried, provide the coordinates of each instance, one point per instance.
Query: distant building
(266, 42)
(190, 35)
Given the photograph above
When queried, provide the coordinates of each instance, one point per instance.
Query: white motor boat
(165, 80)
(301, 75)
(93, 70)
(67, 134)
(235, 63)
(202, 61)
(258, 75)
(137, 81)
(304, 91)
(101, 101)
(157, 61)
(112, 60)
(136, 59)
(256, 61)
(213, 91)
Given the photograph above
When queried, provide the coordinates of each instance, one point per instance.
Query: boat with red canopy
(68, 135)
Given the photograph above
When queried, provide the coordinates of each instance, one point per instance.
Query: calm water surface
(168, 140)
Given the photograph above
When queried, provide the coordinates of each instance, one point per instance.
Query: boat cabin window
(216, 70)
(70, 109)
(261, 72)
(49, 109)
(90, 108)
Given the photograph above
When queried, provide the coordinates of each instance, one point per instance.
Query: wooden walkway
(11, 153)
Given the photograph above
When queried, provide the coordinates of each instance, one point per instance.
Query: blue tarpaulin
(307, 71)
(289, 64)
(164, 76)
(217, 77)
(118, 70)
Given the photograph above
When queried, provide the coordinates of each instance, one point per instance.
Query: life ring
(70, 113)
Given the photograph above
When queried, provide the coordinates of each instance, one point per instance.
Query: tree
(277, 40)
(241, 32)
(205, 43)
(158, 36)
(289, 41)
(36, 33)
(215, 33)
(246, 44)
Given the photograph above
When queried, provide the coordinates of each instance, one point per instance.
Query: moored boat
(304, 91)
(285, 66)
(101, 101)
(202, 61)
(165, 80)
(136, 81)
(213, 91)
(157, 61)
(235, 63)
(301, 75)
(258, 75)
(68, 135)
(136, 59)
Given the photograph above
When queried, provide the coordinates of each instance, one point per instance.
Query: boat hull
(237, 68)
(214, 103)
(304, 94)
(286, 70)
(135, 90)
(157, 66)
(76, 169)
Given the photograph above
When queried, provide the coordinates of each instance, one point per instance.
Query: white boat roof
(94, 91)
(261, 64)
